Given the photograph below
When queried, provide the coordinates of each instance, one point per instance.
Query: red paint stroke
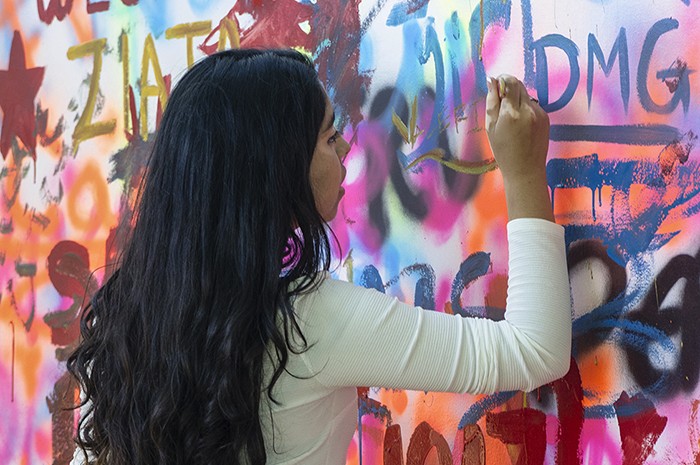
(96, 7)
(693, 433)
(135, 125)
(338, 21)
(18, 89)
(424, 438)
(682, 68)
(12, 372)
(56, 9)
(472, 445)
(69, 271)
(68, 265)
(393, 447)
(677, 152)
(640, 430)
(334, 21)
(281, 16)
(526, 427)
(569, 395)
(209, 48)
(60, 404)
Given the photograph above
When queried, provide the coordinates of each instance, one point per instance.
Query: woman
(220, 339)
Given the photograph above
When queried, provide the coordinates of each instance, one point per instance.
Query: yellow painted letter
(124, 52)
(149, 90)
(188, 31)
(228, 30)
(86, 129)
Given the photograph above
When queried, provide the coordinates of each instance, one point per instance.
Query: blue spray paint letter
(620, 50)
(682, 92)
(542, 73)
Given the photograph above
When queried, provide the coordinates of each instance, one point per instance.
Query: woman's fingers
(510, 95)
(517, 128)
(493, 103)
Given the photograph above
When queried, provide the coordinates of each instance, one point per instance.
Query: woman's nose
(342, 148)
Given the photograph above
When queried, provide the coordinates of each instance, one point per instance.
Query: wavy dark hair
(226, 233)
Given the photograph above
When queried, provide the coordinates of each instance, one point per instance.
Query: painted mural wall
(83, 84)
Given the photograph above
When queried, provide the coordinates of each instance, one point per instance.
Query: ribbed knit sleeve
(361, 337)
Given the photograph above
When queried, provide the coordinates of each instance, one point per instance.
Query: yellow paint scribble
(228, 31)
(149, 90)
(124, 51)
(411, 133)
(400, 126)
(461, 166)
(348, 265)
(189, 31)
(481, 34)
(86, 129)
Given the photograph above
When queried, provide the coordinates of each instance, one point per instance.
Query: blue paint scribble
(479, 409)
(411, 9)
(636, 134)
(474, 266)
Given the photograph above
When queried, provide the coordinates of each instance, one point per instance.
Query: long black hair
(225, 234)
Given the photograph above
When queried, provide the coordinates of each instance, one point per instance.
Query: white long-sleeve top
(361, 337)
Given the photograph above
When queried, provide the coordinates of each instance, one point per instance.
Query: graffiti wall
(83, 84)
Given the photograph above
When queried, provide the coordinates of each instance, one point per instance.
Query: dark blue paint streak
(599, 411)
(651, 134)
(634, 407)
(380, 411)
(477, 410)
(474, 266)
(528, 40)
(371, 279)
(424, 295)
(454, 33)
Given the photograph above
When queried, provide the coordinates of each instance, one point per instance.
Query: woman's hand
(518, 131)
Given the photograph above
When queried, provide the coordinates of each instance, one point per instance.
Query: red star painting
(18, 89)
